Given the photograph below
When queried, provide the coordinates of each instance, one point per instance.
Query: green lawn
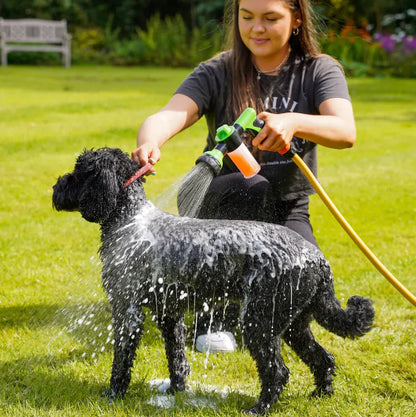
(55, 334)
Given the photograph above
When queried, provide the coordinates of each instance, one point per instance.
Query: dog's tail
(354, 321)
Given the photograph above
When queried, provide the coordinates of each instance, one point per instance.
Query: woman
(275, 66)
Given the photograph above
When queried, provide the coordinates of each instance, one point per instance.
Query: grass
(55, 339)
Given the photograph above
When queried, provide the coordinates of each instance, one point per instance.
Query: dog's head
(95, 184)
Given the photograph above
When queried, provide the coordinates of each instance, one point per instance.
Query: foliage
(88, 45)
(370, 39)
(128, 15)
(164, 42)
(54, 356)
(125, 15)
(356, 50)
(363, 53)
(169, 42)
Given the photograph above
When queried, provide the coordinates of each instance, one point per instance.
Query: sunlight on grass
(55, 323)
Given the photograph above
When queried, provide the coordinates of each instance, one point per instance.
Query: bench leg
(66, 58)
(3, 58)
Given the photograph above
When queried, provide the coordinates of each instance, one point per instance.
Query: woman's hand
(157, 129)
(333, 127)
(147, 152)
(277, 132)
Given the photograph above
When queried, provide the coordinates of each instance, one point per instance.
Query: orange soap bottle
(238, 151)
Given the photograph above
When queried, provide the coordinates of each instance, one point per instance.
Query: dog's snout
(65, 194)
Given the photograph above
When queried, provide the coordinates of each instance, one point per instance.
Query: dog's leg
(128, 326)
(263, 343)
(321, 362)
(174, 334)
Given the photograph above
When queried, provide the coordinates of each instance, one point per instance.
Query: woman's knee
(232, 196)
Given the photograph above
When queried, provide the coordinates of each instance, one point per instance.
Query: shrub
(400, 51)
(165, 42)
(363, 54)
(88, 45)
(356, 50)
(170, 42)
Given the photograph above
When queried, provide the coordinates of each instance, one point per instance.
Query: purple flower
(409, 44)
(388, 42)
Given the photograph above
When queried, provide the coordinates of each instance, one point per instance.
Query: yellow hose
(357, 240)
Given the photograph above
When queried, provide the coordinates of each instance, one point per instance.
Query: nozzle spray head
(214, 158)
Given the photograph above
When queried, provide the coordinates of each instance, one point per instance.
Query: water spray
(194, 186)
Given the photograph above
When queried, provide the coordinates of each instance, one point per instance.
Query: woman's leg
(234, 197)
(294, 214)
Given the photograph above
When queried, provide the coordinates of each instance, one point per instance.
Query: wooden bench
(35, 35)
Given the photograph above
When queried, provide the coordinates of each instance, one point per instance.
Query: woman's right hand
(147, 152)
(178, 114)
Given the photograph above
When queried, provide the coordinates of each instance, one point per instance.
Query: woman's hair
(244, 87)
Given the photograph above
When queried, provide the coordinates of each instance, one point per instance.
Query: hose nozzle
(214, 158)
(236, 149)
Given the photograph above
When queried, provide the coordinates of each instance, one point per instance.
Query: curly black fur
(170, 264)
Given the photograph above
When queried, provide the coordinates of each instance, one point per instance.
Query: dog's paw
(176, 388)
(258, 409)
(111, 395)
(322, 391)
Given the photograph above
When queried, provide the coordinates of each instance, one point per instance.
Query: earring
(295, 32)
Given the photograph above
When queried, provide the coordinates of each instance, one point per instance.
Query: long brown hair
(244, 86)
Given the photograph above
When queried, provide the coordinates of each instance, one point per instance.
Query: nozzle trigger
(258, 123)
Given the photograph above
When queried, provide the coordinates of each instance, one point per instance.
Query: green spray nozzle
(248, 120)
(229, 136)
(214, 158)
(217, 153)
(229, 141)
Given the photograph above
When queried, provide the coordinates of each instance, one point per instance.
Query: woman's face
(265, 28)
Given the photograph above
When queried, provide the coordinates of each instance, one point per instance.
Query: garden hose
(350, 231)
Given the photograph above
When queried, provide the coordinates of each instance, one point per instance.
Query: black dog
(170, 264)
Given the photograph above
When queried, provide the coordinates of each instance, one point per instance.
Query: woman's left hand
(277, 132)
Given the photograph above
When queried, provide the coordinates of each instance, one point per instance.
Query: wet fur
(171, 264)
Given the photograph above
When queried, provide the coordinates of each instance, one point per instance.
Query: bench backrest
(33, 30)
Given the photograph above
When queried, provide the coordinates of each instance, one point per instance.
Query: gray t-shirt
(301, 86)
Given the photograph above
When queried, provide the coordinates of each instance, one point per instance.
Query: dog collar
(138, 174)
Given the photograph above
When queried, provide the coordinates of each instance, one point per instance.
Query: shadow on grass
(89, 323)
(52, 382)
(76, 377)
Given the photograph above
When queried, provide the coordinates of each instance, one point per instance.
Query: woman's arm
(178, 114)
(334, 127)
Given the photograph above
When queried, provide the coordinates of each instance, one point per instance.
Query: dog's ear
(98, 196)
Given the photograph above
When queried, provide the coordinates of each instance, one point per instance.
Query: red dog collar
(138, 174)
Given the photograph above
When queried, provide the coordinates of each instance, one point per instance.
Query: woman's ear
(297, 20)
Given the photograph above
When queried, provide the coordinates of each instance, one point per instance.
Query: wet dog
(170, 264)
